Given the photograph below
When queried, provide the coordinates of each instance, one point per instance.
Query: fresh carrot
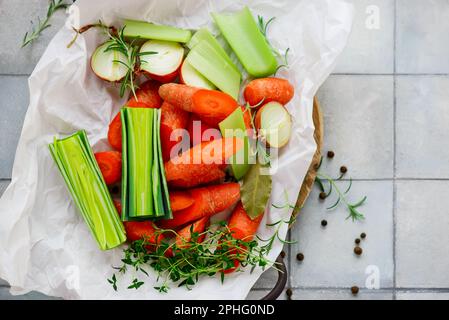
(202, 163)
(267, 90)
(178, 95)
(186, 233)
(241, 225)
(115, 133)
(147, 96)
(180, 200)
(247, 117)
(198, 130)
(173, 121)
(213, 106)
(110, 163)
(208, 201)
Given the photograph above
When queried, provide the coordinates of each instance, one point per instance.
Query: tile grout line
(394, 147)
(392, 74)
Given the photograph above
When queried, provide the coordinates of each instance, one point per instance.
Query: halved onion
(274, 124)
(105, 64)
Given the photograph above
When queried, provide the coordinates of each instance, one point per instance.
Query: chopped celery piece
(163, 183)
(204, 35)
(147, 30)
(243, 35)
(207, 61)
(144, 192)
(234, 126)
(76, 162)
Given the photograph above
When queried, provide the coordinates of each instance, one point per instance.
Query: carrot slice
(180, 200)
(115, 133)
(213, 106)
(172, 119)
(185, 234)
(110, 164)
(208, 201)
(178, 95)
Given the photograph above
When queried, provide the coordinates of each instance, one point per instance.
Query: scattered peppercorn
(363, 235)
(289, 292)
(343, 169)
(282, 254)
(357, 241)
(358, 251)
(323, 223)
(323, 195)
(355, 290)
(330, 154)
(300, 257)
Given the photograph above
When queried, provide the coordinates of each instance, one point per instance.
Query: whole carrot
(198, 130)
(267, 90)
(213, 106)
(178, 95)
(180, 200)
(208, 201)
(172, 119)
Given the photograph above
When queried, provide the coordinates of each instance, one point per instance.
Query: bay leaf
(256, 191)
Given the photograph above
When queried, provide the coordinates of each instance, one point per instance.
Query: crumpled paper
(44, 243)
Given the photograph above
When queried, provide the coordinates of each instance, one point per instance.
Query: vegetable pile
(185, 148)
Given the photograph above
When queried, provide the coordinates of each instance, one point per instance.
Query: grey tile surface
(5, 295)
(421, 36)
(341, 294)
(329, 257)
(15, 17)
(358, 115)
(419, 295)
(422, 126)
(370, 46)
(13, 105)
(422, 235)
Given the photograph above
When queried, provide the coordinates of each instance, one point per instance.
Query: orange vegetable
(241, 225)
(172, 119)
(185, 234)
(197, 136)
(178, 95)
(147, 96)
(208, 201)
(202, 163)
(180, 200)
(213, 106)
(115, 133)
(110, 164)
(267, 90)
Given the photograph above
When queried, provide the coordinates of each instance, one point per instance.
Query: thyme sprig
(53, 6)
(185, 263)
(323, 179)
(270, 241)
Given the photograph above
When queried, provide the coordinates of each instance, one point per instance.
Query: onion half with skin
(274, 124)
(105, 64)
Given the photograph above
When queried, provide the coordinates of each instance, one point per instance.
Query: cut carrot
(180, 200)
(247, 117)
(115, 133)
(178, 95)
(110, 164)
(199, 131)
(185, 234)
(147, 96)
(267, 90)
(202, 163)
(241, 225)
(173, 121)
(213, 106)
(208, 201)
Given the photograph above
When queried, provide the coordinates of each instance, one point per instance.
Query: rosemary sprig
(323, 179)
(53, 6)
(270, 241)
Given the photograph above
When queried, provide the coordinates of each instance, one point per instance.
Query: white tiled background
(386, 113)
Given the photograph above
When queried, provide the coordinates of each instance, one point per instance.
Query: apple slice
(164, 65)
(105, 64)
(193, 78)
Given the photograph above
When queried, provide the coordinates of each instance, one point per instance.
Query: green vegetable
(256, 191)
(144, 189)
(76, 162)
(234, 126)
(207, 61)
(205, 35)
(146, 30)
(249, 44)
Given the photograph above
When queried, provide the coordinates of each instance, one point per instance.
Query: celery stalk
(234, 126)
(163, 183)
(204, 34)
(78, 166)
(146, 30)
(207, 61)
(243, 35)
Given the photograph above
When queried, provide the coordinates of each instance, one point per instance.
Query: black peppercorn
(323, 195)
(289, 292)
(330, 154)
(358, 251)
(355, 290)
(300, 257)
(282, 254)
(343, 169)
(323, 223)
(363, 235)
(357, 241)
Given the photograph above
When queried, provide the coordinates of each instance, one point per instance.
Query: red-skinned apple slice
(191, 77)
(105, 64)
(164, 65)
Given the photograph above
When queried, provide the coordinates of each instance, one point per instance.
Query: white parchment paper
(44, 243)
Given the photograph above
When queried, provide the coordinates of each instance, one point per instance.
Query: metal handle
(281, 282)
